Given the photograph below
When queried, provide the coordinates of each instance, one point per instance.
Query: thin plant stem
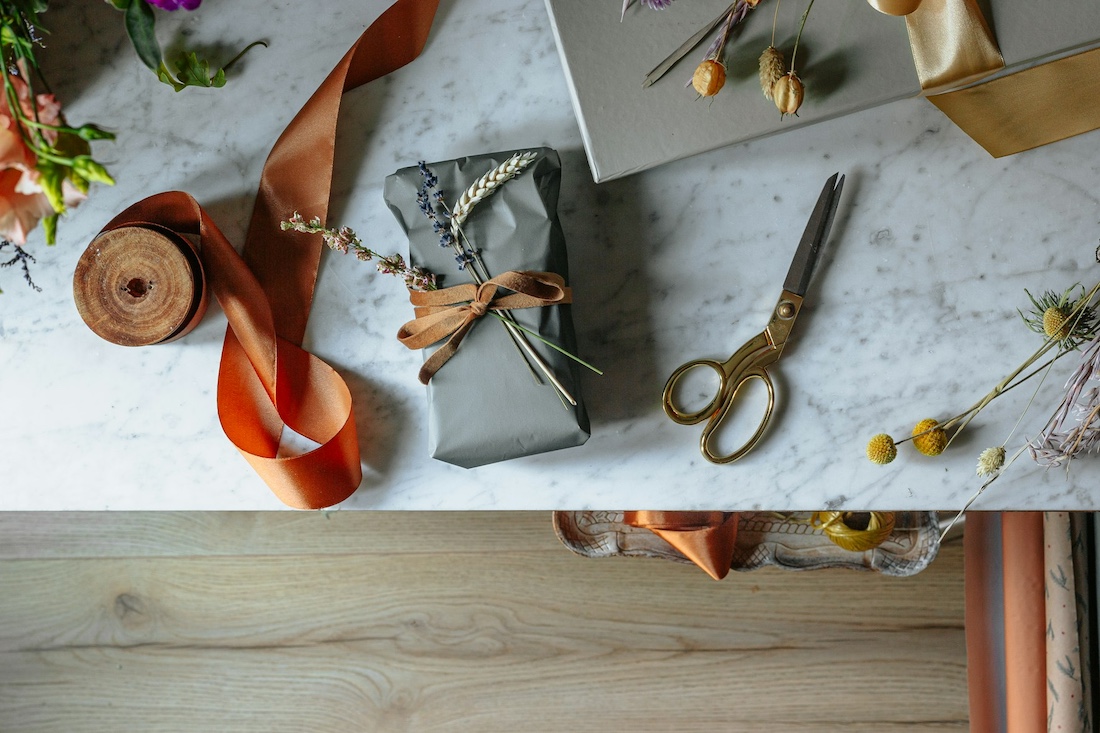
(549, 343)
(798, 38)
(513, 329)
(775, 22)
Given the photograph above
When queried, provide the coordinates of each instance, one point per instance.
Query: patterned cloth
(1067, 633)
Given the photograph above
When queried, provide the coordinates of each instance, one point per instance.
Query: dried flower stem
(798, 38)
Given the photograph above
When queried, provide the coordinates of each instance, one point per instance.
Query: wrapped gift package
(485, 404)
(851, 57)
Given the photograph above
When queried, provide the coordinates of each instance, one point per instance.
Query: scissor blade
(817, 231)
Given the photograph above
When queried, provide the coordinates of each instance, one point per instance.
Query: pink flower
(175, 4)
(22, 202)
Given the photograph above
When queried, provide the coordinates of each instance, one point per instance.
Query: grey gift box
(485, 405)
(851, 58)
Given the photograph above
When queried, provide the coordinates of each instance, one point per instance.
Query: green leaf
(120, 4)
(49, 226)
(94, 132)
(139, 25)
(51, 176)
(193, 71)
(90, 170)
(165, 76)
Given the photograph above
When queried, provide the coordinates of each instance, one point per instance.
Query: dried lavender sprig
(344, 240)
(430, 201)
(735, 16)
(23, 259)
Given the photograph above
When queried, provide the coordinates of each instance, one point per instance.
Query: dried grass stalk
(484, 187)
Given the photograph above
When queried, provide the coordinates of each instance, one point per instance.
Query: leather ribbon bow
(266, 380)
(453, 311)
(707, 539)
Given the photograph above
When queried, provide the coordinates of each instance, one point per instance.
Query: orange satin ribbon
(453, 311)
(706, 538)
(266, 380)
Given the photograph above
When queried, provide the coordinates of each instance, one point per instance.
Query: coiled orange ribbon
(266, 381)
(453, 311)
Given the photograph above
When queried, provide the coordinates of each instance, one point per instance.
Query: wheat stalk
(484, 187)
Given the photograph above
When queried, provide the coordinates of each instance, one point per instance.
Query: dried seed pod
(787, 93)
(708, 78)
(772, 68)
(1056, 322)
(928, 438)
(881, 449)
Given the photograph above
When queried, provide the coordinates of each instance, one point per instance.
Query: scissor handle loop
(691, 418)
(720, 415)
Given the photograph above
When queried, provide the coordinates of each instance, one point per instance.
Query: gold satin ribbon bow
(950, 39)
(954, 49)
(453, 311)
(707, 539)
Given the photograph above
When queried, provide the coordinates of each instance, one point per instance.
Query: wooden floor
(362, 622)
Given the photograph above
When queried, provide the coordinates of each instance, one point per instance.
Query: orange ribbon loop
(453, 311)
(708, 539)
(266, 380)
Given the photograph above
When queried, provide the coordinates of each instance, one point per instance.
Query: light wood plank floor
(361, 621)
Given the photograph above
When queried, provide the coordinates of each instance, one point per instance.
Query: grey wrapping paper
(484, 405)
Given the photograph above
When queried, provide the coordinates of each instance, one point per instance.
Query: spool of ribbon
(955, 53)
(450, 313)
(266, 381)
(708, 539)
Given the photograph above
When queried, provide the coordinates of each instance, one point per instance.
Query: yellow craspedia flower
(881, 449)
(934, 439)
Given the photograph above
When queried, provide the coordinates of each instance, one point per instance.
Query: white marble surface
(912, 315)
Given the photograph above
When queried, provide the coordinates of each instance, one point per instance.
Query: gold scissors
(751, 360)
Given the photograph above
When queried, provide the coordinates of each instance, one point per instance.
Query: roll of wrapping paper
(985, 659)
(1025, 622)
(138, 283)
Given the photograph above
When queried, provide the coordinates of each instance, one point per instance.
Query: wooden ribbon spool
(140, 285)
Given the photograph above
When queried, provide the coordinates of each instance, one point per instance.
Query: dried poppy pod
(708, 78)
(787, 93)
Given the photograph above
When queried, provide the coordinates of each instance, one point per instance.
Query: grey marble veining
(912, 315)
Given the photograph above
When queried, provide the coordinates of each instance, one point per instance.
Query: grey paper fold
(484, 405)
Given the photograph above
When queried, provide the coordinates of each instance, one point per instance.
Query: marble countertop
(913, 313)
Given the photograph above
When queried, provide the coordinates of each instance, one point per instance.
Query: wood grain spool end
(139, 285)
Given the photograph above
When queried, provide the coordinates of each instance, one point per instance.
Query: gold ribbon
(452, 312)
(954, 50)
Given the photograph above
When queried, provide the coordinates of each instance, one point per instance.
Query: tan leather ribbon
(707, 539)
(954, 49)
(450, 313)
(266, 380)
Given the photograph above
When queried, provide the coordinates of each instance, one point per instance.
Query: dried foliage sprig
(781, 84)
(1067, 323)
(345, 240)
